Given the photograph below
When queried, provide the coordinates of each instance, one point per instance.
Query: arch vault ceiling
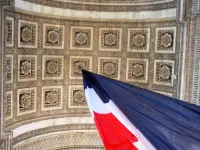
(42, 57)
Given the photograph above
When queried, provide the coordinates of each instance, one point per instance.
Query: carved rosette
(53, 36)
(138, 39)
(77, 64)
(81, 38)
(109, 66)
(76, 97)
(27, 34)
(137, 70)
(26, 101)
(52, 67)
(164, 72)
(52, 97)
(27, 67)
(110, 39)
(166, 40)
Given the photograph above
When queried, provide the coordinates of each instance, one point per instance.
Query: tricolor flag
(132, 118)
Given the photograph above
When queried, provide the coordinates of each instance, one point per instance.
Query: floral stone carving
(52, 97)
(53, 67)
(109, 66)
(137, 70)
(81, 38)
(27, 34)
(76, 97)
(110, 39)
(164, 72)
(27, 67)
(166, 40)
(53, 36)
(26, 101)
(138, 39)
(77, 64)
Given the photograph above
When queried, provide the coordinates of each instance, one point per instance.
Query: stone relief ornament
(110, 39)
(79, 96)
(137, 70)
(9, 69)
(27, 36)
(109, 66)
(67, 138)
(76, 97)
(164, 72)
(52, 97)
(138, 39)
(52, 67)
(77, 64)
(9, 31)
(8, 105)
(53, 36)
(26, 101)
(165, 40)
(27, 67)
(81, 38)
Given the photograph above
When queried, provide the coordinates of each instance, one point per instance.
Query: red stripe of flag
(114, 134)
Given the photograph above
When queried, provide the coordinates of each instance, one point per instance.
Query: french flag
(132, 118)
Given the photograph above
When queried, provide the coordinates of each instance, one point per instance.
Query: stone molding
(60, 139)
(112, 6)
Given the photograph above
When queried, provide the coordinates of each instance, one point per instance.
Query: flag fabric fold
(129, 118)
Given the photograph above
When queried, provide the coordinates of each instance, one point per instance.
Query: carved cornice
(81, 148)
(53, 129)
(110, 6)
(61, 139)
